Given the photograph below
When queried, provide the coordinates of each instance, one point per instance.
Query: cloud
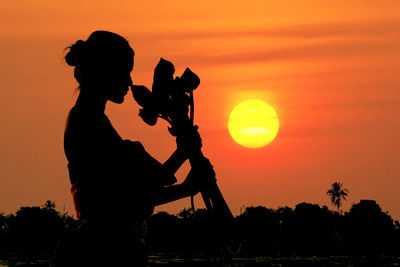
(235, 46)
(320, 30)
(333, 49)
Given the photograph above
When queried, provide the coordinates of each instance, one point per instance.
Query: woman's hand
(200, 177)
(190, 141)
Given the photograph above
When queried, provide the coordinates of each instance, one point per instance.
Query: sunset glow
(253, 124)
(330, 69)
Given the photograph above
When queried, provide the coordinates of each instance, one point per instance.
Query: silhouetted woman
(115, 182)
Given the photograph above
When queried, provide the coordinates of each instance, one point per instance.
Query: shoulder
(90, 129)
(134, 145)
(79, 114)
(85, 119)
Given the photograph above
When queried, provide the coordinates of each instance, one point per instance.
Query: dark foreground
(158, 260)
(254, 238)
(170, 260)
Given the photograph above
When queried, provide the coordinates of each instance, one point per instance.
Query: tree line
(308, 229)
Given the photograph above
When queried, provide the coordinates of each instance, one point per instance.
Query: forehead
(121, 61)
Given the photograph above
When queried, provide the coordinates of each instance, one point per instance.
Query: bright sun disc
(253, 123)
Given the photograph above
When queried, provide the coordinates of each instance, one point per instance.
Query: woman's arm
(200, 177)
(186, 145)
(174, 192)
(175, 161)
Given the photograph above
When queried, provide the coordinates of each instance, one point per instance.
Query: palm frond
(337, 193)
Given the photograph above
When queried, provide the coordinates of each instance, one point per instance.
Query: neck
(94, 102)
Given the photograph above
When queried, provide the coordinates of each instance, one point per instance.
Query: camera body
(170, 98)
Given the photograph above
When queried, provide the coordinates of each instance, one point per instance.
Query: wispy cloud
(320, 30)
(333, 49)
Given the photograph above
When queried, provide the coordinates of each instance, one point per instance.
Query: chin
(117, 100)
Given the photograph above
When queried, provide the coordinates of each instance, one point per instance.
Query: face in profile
(116, 78)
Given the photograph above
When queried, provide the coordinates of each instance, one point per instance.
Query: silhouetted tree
(337, 193)
(3, 234)
(49, 205)
(34, 231)
(308, 230)
(163, 232)
(185, 213)
(312, 229)
(259, 230)
(200, 231)
(368, 229)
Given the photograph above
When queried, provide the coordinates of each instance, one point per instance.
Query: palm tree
(49, 205)
(337, 193)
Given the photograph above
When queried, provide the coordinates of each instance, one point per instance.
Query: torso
(98, 160)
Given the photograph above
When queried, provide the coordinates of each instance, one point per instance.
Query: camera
(170, 98)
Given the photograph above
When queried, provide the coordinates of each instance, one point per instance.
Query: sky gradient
(331, 69)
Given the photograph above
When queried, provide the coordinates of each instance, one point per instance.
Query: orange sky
(331, 69)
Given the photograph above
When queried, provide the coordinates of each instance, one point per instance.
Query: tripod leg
(192, 203)
(207, 200)
(219, 202)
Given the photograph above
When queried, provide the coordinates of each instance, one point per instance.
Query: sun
(253, 123)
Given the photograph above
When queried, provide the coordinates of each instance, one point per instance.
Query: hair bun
(75, 53)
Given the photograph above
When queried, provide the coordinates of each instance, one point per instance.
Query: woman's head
(103, 64)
